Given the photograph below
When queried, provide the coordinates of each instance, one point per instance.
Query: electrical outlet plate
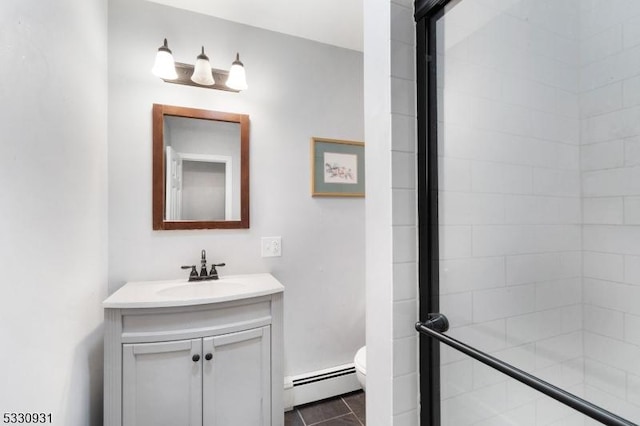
(271, 246)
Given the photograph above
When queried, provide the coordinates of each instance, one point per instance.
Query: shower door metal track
(437, 324)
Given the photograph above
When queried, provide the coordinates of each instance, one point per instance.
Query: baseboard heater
(321, 384)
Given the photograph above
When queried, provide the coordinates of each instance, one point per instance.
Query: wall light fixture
(200, 75)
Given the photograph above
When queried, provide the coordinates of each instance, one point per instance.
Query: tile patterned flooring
(343, 410)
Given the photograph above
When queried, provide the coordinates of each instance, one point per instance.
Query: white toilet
(360, 361)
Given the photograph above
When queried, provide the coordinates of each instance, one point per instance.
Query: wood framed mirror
(200, 169)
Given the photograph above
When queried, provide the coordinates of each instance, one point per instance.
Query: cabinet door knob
(208, 357)
(195, 358)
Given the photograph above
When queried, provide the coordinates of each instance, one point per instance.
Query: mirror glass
(201, 169)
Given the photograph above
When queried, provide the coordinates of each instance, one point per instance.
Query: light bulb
(202, 71)
(237, 79)
(164, 66)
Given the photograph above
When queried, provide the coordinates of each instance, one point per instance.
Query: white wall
(509, 206)
(53, 254)
(390, 122)
(610, 112)
(297, 89)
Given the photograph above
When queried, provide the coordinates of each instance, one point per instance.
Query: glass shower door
(533, 124)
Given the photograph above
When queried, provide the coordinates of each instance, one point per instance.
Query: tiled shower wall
(510, 206)
(540, 204)
(610, 159)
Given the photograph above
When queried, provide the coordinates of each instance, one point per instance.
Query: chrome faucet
(204, 275)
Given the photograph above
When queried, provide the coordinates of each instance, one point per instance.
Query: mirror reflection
(200, 169)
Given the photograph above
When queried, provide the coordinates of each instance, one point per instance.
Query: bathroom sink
(156, 294)
(199, 289)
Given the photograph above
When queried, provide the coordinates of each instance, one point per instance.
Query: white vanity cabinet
(196, 355)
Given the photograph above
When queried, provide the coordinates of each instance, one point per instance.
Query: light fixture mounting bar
(185, 71)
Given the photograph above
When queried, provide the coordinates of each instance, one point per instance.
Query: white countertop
(159, 294)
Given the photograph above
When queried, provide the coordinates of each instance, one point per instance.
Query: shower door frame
(427, 12)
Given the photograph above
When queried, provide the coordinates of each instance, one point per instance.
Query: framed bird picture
(337, 168)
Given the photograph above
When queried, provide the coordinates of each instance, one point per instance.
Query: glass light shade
(202, 71)
(237, 79)
(164, 67)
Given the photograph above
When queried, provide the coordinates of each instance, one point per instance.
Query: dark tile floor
(343, 410)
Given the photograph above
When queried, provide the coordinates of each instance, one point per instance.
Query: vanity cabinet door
(162, 383)
(236, 382)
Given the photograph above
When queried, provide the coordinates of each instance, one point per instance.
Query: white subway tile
(567, 157)
(602, 210)
(601, 45)
(463, 208)
(405, 315)
(618, 124)
(631, 32)
(403, 98)
(403, 133)
(556, 128)
(523, 415)
(454, 174)
(611, 239)
(402, 24)
(519, 394)
(455, 241)
(572, 318)
(558, 349)
(459, 275)
(405, 356)
(632, 210)
(456, 378)
(567, 103)
(501, 178)
(404, 207)
(529, 268)
(612, 352)
(633, 389)
(405, 281)
(630, 88)
(557, 293)
(403, 60)
(403, 172)
(469, 408)
(533, 327)
(632, 270)
(408, 418)
(405, 393)
(632, 151)
(518, 90)
(612, 182)
(601, 100)
(529, 210)
(503, 302)
(521, 239)
(404, 244)
(556, 182)
(604, 155)
(632, 329)
(458, 307)
(604, 266)
(604, 321)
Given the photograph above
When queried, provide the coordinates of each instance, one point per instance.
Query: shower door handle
(435, 321)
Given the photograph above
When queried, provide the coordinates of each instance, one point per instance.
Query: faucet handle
(214, 273)
(194, 271)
